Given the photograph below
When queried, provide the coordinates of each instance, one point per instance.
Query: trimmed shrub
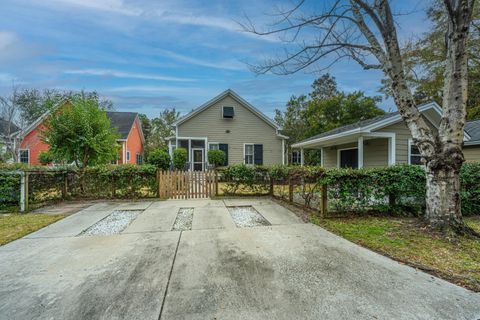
(45, 157)
(159, 158)
(470, 188)
(243, 178)
(180, 158)
(216, 157)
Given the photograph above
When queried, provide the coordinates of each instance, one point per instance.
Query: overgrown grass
(404, 239)
(14, 226)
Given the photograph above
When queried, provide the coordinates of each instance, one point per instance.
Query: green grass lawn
(14, 226)
(405, 240)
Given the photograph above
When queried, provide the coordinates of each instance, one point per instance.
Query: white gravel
(184, 219)
(247, 216)
(114, 223)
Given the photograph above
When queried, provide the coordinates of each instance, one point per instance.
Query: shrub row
(395, 189)
(106, 181)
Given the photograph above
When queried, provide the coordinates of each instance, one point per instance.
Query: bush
(470, 188)
(250, 179)
(159, 158)
(45, 157)
(216, 157)
(180, 158)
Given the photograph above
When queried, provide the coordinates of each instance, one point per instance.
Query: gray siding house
(231, 124)
(381, 141)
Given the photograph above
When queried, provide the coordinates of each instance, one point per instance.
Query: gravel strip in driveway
(114, 223)
(247, 216)
(184, 220)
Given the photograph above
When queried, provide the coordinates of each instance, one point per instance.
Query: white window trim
(410, 143)
(245, 155)
(128, 156)
(28, 153)
(234, 112)
(210, 143)
(338, 154)
(299, 157)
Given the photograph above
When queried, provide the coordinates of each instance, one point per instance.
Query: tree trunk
(443, 203)
(443, 209)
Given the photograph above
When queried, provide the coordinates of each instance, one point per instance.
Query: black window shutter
(258, 154)
(224, 148)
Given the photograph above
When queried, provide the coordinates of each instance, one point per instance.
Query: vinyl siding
(245, 127)
(402, 135)
(471, 153)
(375, 153)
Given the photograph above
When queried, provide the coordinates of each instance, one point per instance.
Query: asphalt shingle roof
(5, 130)
(122, 121)
(473, 130)
(352, 126)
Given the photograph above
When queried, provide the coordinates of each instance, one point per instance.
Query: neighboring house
(126, 123)
(231, 124)
(7, 130)
(381, 141)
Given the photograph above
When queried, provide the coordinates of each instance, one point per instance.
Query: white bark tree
(9, 111)
(365, 31)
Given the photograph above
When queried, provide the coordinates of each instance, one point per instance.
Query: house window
(213, 146)
(414, 154)
(24, 156)
(228, 112)
(128, 155)
(139, 158)
(249, 153)
(296, 157)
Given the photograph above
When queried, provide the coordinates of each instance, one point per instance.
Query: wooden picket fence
(187, 184)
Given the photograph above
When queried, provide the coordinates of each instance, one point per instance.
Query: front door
(349, 158)
(198, 159)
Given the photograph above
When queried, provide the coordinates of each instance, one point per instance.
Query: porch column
(301, 157)
(170, 147)
(360, 152)
(322, 156)
(391, 150)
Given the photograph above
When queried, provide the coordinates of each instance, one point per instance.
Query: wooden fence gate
(186, 184)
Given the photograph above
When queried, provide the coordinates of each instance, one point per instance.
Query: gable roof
(367, 125)
(7, 128)
(473, 130)
(122, 121)
(228, 92)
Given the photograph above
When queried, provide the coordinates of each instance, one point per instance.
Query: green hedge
(393, 190)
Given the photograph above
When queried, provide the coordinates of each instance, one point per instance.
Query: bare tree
(365, 31)
(9, 111)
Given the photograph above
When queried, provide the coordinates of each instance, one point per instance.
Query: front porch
(361, 150)
(197, 148)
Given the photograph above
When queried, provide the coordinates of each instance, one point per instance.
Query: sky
(149, 55)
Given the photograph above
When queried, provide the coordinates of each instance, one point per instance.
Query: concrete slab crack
(169, 276)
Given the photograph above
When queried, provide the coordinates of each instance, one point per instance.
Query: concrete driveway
(287, 270)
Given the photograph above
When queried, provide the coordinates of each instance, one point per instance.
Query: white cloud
(12, 48)
(231, 64)
(122, 74)
(113, 6)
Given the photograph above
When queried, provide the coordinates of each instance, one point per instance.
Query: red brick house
(127, 124)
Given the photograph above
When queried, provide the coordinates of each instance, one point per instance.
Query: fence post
(271, 187)
(290, 190)
(391, 200)
(23, 191)
(65, 185)
(216, 183)
(324, 203)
